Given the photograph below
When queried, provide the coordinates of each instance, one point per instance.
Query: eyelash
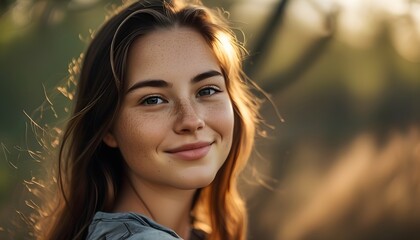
(144, 101)
(214, 88)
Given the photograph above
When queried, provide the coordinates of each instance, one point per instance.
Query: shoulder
(131, 226)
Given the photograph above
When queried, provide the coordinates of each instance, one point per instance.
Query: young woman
(162, 125)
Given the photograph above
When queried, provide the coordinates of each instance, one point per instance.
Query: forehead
(170, 53)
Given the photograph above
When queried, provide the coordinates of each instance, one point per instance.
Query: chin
(197, 179)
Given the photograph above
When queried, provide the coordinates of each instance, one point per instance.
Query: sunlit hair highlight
(89, 172)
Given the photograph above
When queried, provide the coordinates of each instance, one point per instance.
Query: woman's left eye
(208, 91)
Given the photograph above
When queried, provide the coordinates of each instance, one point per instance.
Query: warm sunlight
(360, 23)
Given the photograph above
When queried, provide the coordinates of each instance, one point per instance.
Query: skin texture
(155, 121)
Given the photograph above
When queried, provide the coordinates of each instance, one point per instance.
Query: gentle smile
(193, 151)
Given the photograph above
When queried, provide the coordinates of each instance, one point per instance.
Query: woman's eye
(152, 101)
(208, 91)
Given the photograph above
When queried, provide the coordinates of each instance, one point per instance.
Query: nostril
(189, 123)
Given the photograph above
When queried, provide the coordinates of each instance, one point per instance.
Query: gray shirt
(129, 226)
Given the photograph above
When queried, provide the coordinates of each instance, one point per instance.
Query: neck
(169, 207)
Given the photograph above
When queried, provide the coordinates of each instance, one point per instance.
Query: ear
(110, 140)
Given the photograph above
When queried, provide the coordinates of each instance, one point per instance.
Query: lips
(192, 151)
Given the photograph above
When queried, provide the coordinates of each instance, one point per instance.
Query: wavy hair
(89, 172)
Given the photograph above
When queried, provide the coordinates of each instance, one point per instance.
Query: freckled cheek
(221, 118)
(140, 136)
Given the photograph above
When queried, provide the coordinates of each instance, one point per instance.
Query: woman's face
(175, 125)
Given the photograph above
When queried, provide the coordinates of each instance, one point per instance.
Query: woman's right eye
(154, 100)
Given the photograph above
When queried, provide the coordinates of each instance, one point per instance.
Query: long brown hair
(89, 172)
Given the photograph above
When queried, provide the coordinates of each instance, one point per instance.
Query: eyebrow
(148, 83)
(158, 83)
(205, 75)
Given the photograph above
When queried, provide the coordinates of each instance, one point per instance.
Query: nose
(188, 119)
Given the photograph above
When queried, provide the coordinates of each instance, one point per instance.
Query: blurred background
(344, 75)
